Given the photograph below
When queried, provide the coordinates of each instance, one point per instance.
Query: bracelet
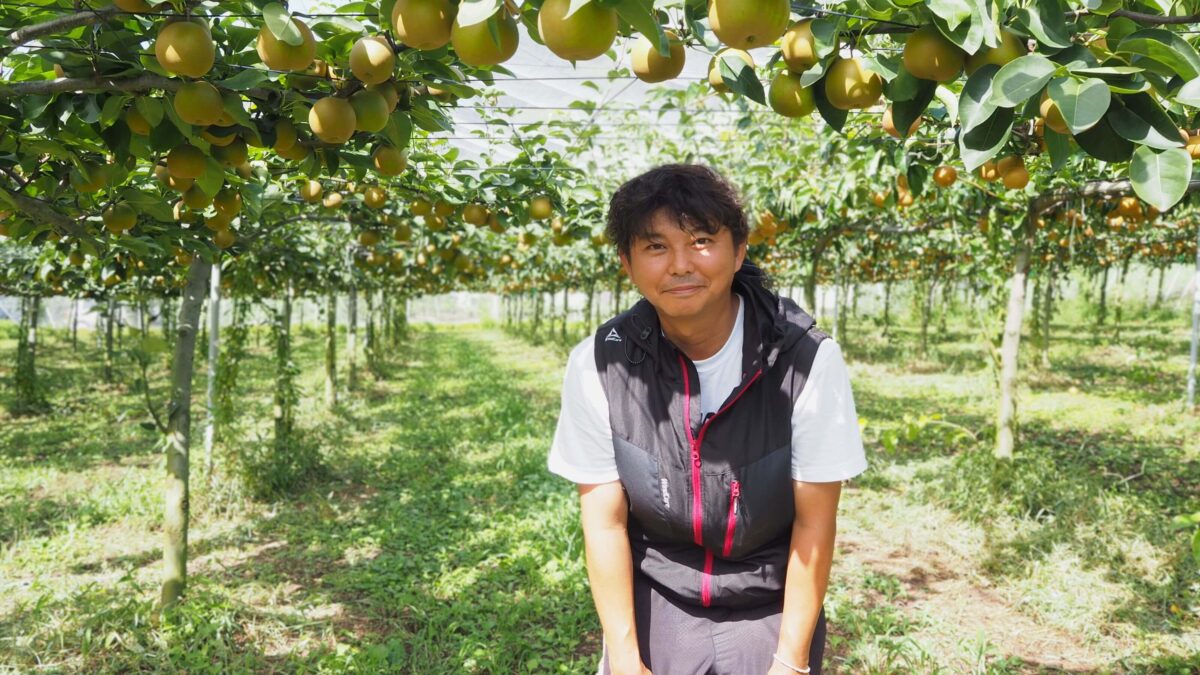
(805, 669)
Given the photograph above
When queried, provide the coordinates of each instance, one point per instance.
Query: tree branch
(41, 212)
(58, 25)
(1048, 201)
(134, 85)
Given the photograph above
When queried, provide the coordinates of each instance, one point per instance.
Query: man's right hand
(627, 663)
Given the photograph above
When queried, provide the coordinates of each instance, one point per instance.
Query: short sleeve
(826, 441)
(582, 451)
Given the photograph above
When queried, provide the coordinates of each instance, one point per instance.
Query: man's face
(683, 273)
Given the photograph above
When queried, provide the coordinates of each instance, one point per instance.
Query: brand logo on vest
(666, 494)
(612, 336)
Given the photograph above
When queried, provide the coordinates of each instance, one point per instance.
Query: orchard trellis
(185, 149)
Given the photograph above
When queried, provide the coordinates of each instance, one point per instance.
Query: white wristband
(794, 669)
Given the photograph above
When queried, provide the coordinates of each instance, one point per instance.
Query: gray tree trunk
(178, 436)
(1047, 315)
(1006, 420)
(109, 316)
(1191, 384)
(214, 347)
(331, 349)
(352, 339)
(75, 323)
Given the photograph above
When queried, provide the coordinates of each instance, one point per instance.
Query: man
(708, 429)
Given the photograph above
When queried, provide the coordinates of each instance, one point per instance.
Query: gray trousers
(677, 639)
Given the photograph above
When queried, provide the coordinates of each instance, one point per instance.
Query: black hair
(696, 196)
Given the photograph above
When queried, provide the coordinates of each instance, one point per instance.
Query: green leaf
(1046, 22)
(1138, 118)
(825, 35)
(1160, 178)
(1196, 546)
(952, 12)
(640, 15)
(971, 34)
(1059, 147)
(233, 105)
(974, 107)
(887, 66)
(1020, 79)
(150, 108)
(986, 139)
(904, 87)
(905, 112)
(1189, 93)
(834, 117)
(279, 22)
(471, 12)
(247, 79)
(741, 79)
(1104, 143)
(398, 130)
(213, 177)
(1165, 48)
(813, 75)
(1082, 103)
(113, 107)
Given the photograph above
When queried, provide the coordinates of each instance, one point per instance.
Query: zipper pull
(735, 491)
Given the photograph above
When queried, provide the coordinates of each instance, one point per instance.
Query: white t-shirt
(826, 443)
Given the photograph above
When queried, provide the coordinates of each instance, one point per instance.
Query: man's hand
(627, 664)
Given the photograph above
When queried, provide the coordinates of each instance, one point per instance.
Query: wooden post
(178, 436)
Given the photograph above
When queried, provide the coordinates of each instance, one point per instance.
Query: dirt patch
(952, 605)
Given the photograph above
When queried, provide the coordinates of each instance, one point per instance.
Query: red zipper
(734, 493)
(694, 442)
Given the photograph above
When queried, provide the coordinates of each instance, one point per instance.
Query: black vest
(710, 500)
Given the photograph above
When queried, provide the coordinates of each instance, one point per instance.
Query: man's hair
(695, 196)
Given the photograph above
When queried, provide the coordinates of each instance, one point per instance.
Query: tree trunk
(109, 316)
(1006, 420)
(617, 296)
(178, 436)
(887, 307)
(371, 348)
(1047, 315)
(1158, 297)
(75, 323)
(1101, 315)
(566, 312)
(331, 349)
(926, 311)
(587, 310)
(537, 314)
(352, 339)
(1119, 295)
(1035, 327)
(285, 396)
(25, 376)
(214, 347)
(1191, 384)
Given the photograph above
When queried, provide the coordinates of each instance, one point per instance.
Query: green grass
(437, 542)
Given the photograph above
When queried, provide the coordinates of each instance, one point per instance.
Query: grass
(437, 542)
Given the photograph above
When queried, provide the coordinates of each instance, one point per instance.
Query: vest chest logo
(666, 494)
(613, 336)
